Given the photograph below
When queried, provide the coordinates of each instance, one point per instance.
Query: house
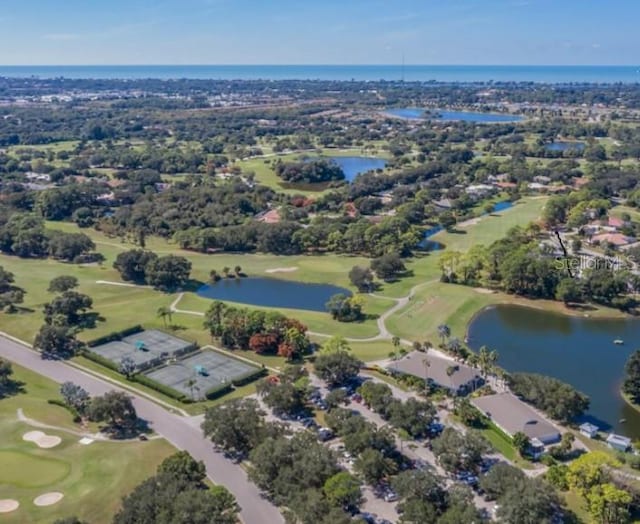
(479, 190)
(443, 203)
(512, 415)
(615, 222)
(589, 430)
(616, 239)
(269, 217)
(458, 379)
(618, 442)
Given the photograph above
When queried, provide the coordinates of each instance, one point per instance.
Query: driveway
(183, 433)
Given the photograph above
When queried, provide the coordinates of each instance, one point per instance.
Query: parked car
(390, 496)
(325, 434)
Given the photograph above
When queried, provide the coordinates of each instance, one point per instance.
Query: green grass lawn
(93, 478)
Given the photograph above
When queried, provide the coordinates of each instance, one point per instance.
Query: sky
(181, 32)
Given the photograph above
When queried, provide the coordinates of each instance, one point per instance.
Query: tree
(468, 413)
(631, 384)
(62, 283)
(283, 466)
(56, 341)
(168, 273)
(116, 409)
(70, 520)
(335, 344)
(10, 294)
(388, 267)
(284, 398)
(345, 308)
(336, 397)
(423, 485)
(374, 466)
(132, 264)
(486, 360)
(75, 396)
(177, 494)
(590, 470)
(164, 312)
(67, 309)
(499, 479)
(447, 219)
(338, 368)
(183, 466)
(413, 416)
(444, 332)
(607, 503)
(127, 366)
(521, 442)
(237, 426)
(569, 291)
(361, 278)
(456, 451)
(343, 490)
(530, 501)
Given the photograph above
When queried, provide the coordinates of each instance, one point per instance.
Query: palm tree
(237, 270)
(396, 342)
(226, 270)
(191, 385)
(164, 312)
(213, 276)
(417, 346)
(444, 331)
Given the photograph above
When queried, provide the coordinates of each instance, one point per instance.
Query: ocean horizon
(410, 73)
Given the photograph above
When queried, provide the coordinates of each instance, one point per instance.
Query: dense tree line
(557, 399)
(309, 171)
(260, 331)
(166, 273)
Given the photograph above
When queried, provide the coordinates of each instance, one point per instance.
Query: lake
(272, 292)
(356, 165)
(576, 350)
(414, 113)
(561, 145)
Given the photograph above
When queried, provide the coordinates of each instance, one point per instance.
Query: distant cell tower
(402, 76)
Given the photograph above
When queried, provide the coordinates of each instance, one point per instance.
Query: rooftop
(444, 372)
(514, 415)
(620, 440)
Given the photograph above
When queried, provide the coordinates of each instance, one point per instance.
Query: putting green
(24, 470)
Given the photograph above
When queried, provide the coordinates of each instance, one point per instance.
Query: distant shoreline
(485, 74)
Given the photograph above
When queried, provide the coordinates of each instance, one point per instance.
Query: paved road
(180, 431)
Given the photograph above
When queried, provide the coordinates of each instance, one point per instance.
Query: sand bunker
(484, 290)
(48, 499)
(41, 439)
(85, 441)
(282, 269)
(8, 505)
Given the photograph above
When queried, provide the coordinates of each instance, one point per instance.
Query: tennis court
(203, 373)
(146, 348)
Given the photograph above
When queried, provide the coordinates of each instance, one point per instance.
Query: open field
(78, 471)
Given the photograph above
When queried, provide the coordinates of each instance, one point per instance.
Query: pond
(561, 145)
(414, 113)
(272, 292)
(356, 165)
(576, 350)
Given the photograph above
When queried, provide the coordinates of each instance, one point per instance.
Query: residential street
(180, 431)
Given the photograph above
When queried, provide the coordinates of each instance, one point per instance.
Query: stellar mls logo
(576, 264)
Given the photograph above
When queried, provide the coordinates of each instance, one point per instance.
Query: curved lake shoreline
(272, 292)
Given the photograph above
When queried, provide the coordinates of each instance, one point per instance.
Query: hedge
(70, 409)
(160, 388)
(250, 376)
(98, 359)
(218, 391)
(115, 335)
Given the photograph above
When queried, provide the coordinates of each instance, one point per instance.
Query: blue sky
(319, 32)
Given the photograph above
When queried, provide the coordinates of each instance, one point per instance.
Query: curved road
(183, 432)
